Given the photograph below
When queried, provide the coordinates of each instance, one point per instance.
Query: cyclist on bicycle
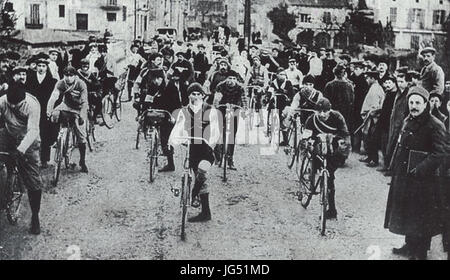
(281, 92)
(198, 119)
(93, 87)
(20, 112)
(229, 91)
(152, 88)
(328, 121)
(258, 76)
(74, 107)
(185, 67)
(106, 65)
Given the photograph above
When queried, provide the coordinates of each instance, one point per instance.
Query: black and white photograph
(224, 130)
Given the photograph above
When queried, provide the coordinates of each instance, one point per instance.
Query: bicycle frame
(13, 196)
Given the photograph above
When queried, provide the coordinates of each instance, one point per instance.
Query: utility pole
(135, 18)
(247, 23)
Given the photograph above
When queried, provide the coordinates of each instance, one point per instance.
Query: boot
(170, 165)
(34, 198)
(205, 214)
(83, 166)
(284, 143)
(231, 164)
(405, 251)
(218, 154)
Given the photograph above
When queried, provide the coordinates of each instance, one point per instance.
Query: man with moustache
(221, 75)
(201, 63)
(413, 202)
(19, 75)
(41, 84)
(185, 69)
(360, 90)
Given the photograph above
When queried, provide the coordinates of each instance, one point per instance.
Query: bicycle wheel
(59, 155)
(291, 149)
(137, 138)
(224, 162)
(323, 201)
(69, 147)
(306, 182)
(153, 154)
(118, 108)
(88, 136)
(14, 197)
(107, 111)
(184, 203)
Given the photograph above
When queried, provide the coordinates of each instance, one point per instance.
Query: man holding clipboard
(413, 202)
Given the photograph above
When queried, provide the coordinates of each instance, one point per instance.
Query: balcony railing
(110, 5)
(34, 24)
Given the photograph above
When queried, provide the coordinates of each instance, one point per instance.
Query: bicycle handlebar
(193, 138)
(229, 106)
(159, 111)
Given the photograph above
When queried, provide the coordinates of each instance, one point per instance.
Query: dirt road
(115, 213)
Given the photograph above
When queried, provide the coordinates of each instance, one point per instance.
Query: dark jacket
(399, 112)
(186, 69)
(172, 98)
(201, 63)
(413, 200)
(341, 95)
(385, 114)
(432, 78)
(42, 91)
(360, 90)
(233, 95)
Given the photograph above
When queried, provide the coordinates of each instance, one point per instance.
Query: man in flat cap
(19, 75)
(52, 66)
(201, 63)
(185, 67)
(432, 77)
(413, 208)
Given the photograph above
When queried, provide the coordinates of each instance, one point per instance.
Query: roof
(45, 37)
(322, 3)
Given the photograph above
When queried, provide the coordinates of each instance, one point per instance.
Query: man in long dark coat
(41, 85)
(361, 87)
(413, 202)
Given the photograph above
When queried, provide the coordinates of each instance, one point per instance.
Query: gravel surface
(115, 213)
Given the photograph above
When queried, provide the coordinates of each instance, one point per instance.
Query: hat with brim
(436, 95)
(428, 50)
(32, 59)
(13, 55)
(41, 61)
(69, 71)
(19, 70)
(50, 51)
(416, 90)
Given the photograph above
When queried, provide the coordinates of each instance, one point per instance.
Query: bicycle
(64, 146)
(273, 119)
(149, 123)
(229, 111)
(254, 101)
(90, 128)
(11, 188)
(111, 106)
(186, 183)
(314, 163)
(295, 133)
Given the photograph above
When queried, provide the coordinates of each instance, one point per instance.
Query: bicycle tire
(153, 154)
(323, 202)
(107, 112)
(184, 204)
(58, 157)
(14, 203)
(118, 109)
(305, 183)
(224, 161)
(68, 147)
(88, 136)
(292, 147)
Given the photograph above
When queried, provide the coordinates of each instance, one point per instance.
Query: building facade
(414, 21)
(76, 15)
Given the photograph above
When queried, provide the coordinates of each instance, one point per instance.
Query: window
(327, 17)
(62, 11)
(417, 17)
(124, 14)
(145, 23)
(305, 18)
(82, 21)
(393, 16)
(111, 16)
(438, 17)
(112, 2)
(34, 14)
(415, 42)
